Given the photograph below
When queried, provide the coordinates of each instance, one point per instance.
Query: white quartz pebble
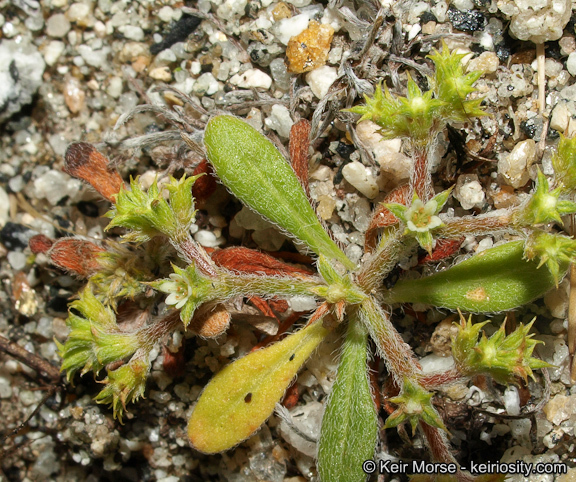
(361, 178)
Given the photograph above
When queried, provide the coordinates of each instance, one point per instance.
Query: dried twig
(48, 372)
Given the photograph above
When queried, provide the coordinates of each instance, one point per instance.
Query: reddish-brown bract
(383, 217)
(174, 363)
(40, 243)
(443, 249)
(205, 185)
(84, 162)
(299, 145)
(291, 397)
(76, 256)
(245, 260)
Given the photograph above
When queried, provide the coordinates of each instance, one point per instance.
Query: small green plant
(353, 300)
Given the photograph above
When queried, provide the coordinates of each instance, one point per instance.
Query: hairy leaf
(242, 396)
(350, 424)
(253, 169)
(497, 279)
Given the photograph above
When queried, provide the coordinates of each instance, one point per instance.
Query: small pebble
(206, 84)
(80, 13)
(115, 86)
(218, 221)
(4, 207)
(55, 185)
(208, 239)
(289, 27)
(469, 191)
(280, 74)
(571, 64)
(560, 408)
(248, 219)
(538, 22)
(280, 120)
(354, 252)
(57, 25)
(514, 166)
(53, 51)
(16, 184)
(557, 326)
(361, 178)
(325, 207)
(17, 260)
(5, 387)
(231, 9)
(161, 73)
(434, 363)
(486, 62)
(309, 50)
(556, 301)
(269, 239)
(159, 397)
(15, 236)
(74, 96)
(561, 115)
(567, 46)
(254, 118)
(468, 20)
(321, 79)
(132, 32)
(165, 13)
(252, 78)
(95, 58)
(512, 400)
(305, 419)
(394, 166)
(162, 379)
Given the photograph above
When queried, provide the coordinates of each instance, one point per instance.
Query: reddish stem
(437, 380)
(440, 450)
(193, 253)
(420, 180)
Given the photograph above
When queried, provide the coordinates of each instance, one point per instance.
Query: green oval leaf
(243, 395)
(497, 279)
(253, 169)
(350, 424)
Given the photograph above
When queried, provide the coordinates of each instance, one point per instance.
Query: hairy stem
(193, 252)
(397, 354)
(434, 381)
(491, 223)
(149, 335)
(254, 285)
(391, 248)
(440, 449)
(420, 179)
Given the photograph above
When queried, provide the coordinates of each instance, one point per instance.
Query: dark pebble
(552, 48)
(65, 224)
(252, 8)
(57, 305)
(344, 150)
(468, 21)
(428, 17)
(502, 51)
(259, 54)
(15, 236)
(339, 177)
(180, 31)
(533, 128)
(88, 208)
